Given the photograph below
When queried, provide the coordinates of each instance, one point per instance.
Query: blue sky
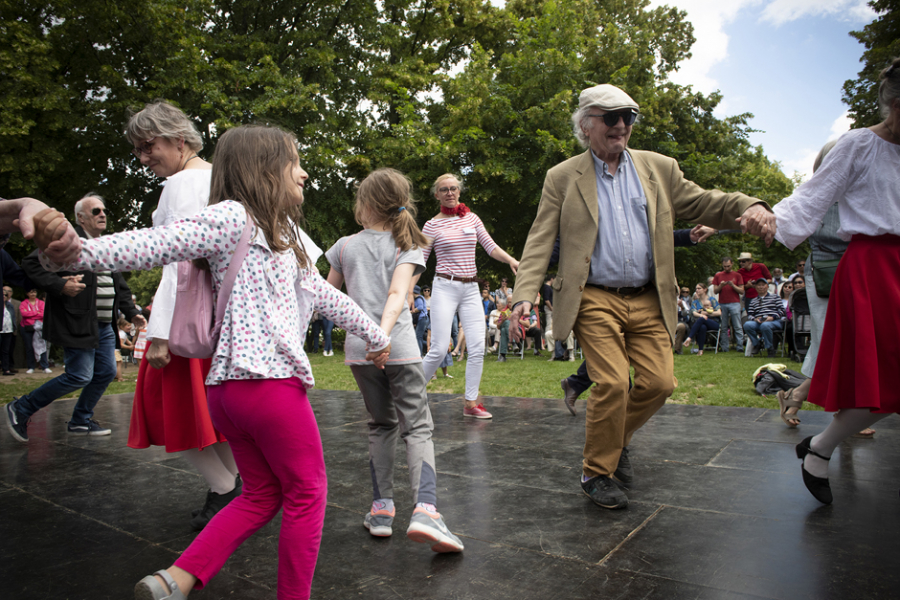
(782, 60)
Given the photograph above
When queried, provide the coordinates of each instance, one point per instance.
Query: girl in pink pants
(259, 373)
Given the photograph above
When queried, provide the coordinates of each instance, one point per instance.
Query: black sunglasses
(97, 211)
(611, 118)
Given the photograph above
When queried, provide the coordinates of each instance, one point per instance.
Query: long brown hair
(248, 167)
(386, 195)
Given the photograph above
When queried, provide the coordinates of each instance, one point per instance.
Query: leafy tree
(881, 38)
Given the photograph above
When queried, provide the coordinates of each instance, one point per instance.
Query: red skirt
(859, 358)
(170, 406)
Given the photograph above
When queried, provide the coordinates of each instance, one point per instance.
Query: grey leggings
(397, 403)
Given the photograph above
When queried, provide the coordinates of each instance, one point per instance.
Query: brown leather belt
(622, 291)
(459, 279)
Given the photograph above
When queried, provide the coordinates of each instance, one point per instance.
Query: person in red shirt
(751, 271)
(729, 285)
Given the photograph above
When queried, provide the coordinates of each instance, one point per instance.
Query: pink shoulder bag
(198, 316)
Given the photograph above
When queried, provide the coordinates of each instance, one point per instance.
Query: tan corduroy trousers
(615, 332)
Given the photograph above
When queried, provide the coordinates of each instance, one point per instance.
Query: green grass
(711, 380)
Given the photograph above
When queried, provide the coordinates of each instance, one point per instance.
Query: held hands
(139, 322)
(379, 357)
(51, 231)
(701, 233)
(758, 221)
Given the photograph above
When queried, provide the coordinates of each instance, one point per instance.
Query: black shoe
(17, 426)
(817, 486)
(605, 492)
(679, 351)
(214, 503)
(537, 352)
(501, 358)
(624, 471)
(570, 395)
(772, 353)
(8, 373)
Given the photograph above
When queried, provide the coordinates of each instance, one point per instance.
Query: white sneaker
(30, 371)
(47, 371)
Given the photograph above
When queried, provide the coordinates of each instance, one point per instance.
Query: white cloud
(803, 164)
(709, 18)
(779, 12)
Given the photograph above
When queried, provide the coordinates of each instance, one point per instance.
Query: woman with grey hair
(170, 406)
(856, 371)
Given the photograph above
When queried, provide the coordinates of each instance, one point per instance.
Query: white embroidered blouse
(861, 174)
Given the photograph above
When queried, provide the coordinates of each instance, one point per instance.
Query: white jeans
(448, 297)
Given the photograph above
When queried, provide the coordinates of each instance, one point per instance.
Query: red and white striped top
(454, 243)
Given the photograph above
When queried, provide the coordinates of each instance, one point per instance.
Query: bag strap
(237, 260)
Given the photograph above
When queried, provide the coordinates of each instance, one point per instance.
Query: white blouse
(184, 195)
(861, 174)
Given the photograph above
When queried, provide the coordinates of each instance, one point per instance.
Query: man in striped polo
(765, 315)
(79, 315)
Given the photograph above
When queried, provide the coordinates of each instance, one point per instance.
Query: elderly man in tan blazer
(613, 209)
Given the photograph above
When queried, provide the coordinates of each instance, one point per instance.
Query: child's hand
(379, 357)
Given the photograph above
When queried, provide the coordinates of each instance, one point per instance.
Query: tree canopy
(423, 86)
(881, 38)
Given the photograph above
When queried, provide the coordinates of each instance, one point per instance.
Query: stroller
(802, 336)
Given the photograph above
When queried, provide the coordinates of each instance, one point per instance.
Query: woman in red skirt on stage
(858, 369)
(170, 406)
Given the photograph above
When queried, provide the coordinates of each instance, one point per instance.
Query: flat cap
(607, 97)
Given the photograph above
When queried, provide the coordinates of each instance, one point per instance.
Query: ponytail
(386, 195)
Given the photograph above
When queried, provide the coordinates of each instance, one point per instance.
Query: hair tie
(401, 209)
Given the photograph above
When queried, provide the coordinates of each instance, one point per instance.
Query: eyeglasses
(611, 118)
(452, 188)
(145, 148)
(743, 260)
(97, 211)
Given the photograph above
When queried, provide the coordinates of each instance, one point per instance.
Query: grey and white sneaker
(17, 427)
(428, 528)
(379, 522)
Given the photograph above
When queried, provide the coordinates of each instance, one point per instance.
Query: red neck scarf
(460, 210)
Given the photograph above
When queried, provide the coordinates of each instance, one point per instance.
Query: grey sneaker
(624, 470)
(428, 528)
(17, 427)
(379, 522)
(92, 427)
(605, 492)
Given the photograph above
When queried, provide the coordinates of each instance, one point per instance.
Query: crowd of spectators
(748, 309)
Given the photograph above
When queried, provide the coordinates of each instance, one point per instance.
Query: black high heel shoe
(817, 486)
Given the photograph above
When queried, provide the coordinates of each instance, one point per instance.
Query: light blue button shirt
(622, 255)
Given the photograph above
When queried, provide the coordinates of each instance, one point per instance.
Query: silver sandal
(149, 588)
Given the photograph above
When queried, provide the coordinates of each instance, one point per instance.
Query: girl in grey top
(378, 264)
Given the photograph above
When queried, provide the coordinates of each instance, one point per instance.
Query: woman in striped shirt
(454, 233)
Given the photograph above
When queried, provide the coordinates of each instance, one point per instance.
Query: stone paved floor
(718, 510)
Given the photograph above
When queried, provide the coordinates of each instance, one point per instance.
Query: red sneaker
(477, 412)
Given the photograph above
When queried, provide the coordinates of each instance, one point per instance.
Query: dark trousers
(7, 343)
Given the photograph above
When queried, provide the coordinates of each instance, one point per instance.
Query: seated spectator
(532, 328)
(706, 319)
(751, 271)
(684, 318)
(503, 292)
(765, 315)
(502, 323)
(124, 328)
(778, 278)
(801, 266)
